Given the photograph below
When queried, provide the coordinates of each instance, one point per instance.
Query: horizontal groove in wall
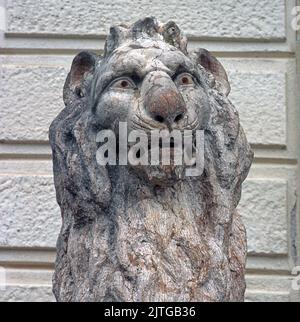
(254, 54)
(257, 292)
(19, 150)
(34, 258)
(220, 54)
(24, 156)
(48, 157)
(43, 152)
(269, 272)
(50, 266)
(45, 35)
(42, 52)
(275, 161)
(39, 277)
(18, 257)
(65, 44)
(83, 36)
(9, 145)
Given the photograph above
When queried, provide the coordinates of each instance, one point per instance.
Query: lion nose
(164, 103)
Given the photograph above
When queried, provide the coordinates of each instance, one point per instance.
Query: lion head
(148, 233)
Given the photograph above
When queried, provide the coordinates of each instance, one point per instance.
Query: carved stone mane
(133, 233)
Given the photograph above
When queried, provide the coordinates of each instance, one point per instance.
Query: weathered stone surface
(264, 288)
(263, 209)
(27, 293)
(149, 233)
(29, 214)
(267, 263)
(273, 283)
(265, 296)
(261, 101)
(260, 98)
(30, 97)
(223, 18)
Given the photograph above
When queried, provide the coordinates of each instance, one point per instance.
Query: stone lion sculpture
(128, 233)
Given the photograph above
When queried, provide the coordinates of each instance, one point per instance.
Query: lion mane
(123, 239)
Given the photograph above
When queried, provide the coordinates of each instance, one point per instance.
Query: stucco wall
(255, 42)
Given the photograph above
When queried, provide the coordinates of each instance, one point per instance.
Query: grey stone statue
(148, 233)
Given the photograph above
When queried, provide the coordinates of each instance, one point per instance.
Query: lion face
(151, 86)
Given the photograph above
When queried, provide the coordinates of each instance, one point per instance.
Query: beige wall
(255, 42)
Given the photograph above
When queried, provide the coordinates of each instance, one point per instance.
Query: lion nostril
(79, 92)
(159, 118)
(178, 117)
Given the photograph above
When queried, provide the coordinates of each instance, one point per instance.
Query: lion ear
(214, 67)
(83, 67)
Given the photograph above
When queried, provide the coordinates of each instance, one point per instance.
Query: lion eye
(124, 83)
(185, 79)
